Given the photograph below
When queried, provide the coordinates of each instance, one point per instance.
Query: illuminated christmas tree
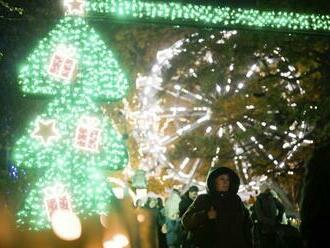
(72, 142)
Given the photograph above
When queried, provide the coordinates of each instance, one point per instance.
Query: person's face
(222, 183)
(192, 195)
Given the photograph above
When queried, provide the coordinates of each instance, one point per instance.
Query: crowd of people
(219, 218)
(194, 219)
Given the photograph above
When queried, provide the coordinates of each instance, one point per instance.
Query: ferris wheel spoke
(293, 136)
(182, 111)
(185, 129)
(178, 95)
(179, 172)
(190, 95)
(192, 170)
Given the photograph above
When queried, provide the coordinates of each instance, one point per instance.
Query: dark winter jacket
(231, 228)
(184, 204)
(315, 207)
(269, 212)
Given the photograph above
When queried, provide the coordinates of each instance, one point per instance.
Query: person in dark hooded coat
(187, 199)
(268, 211)
(219, 218)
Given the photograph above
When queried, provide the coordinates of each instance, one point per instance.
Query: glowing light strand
(207, 15)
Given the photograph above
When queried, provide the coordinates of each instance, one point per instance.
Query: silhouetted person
(268, 211)
(186, 200)
(158, 221)
(315, 207)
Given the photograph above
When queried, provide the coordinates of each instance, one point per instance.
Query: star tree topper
(75, 7)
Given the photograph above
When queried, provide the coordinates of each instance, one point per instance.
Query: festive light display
(98, 74)
(183, 109)
(207, 15)
(147, 120)
(72, 142)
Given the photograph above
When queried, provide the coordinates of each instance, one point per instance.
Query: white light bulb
(66, 225)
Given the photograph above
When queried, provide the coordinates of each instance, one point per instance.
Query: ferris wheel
(242, 112)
